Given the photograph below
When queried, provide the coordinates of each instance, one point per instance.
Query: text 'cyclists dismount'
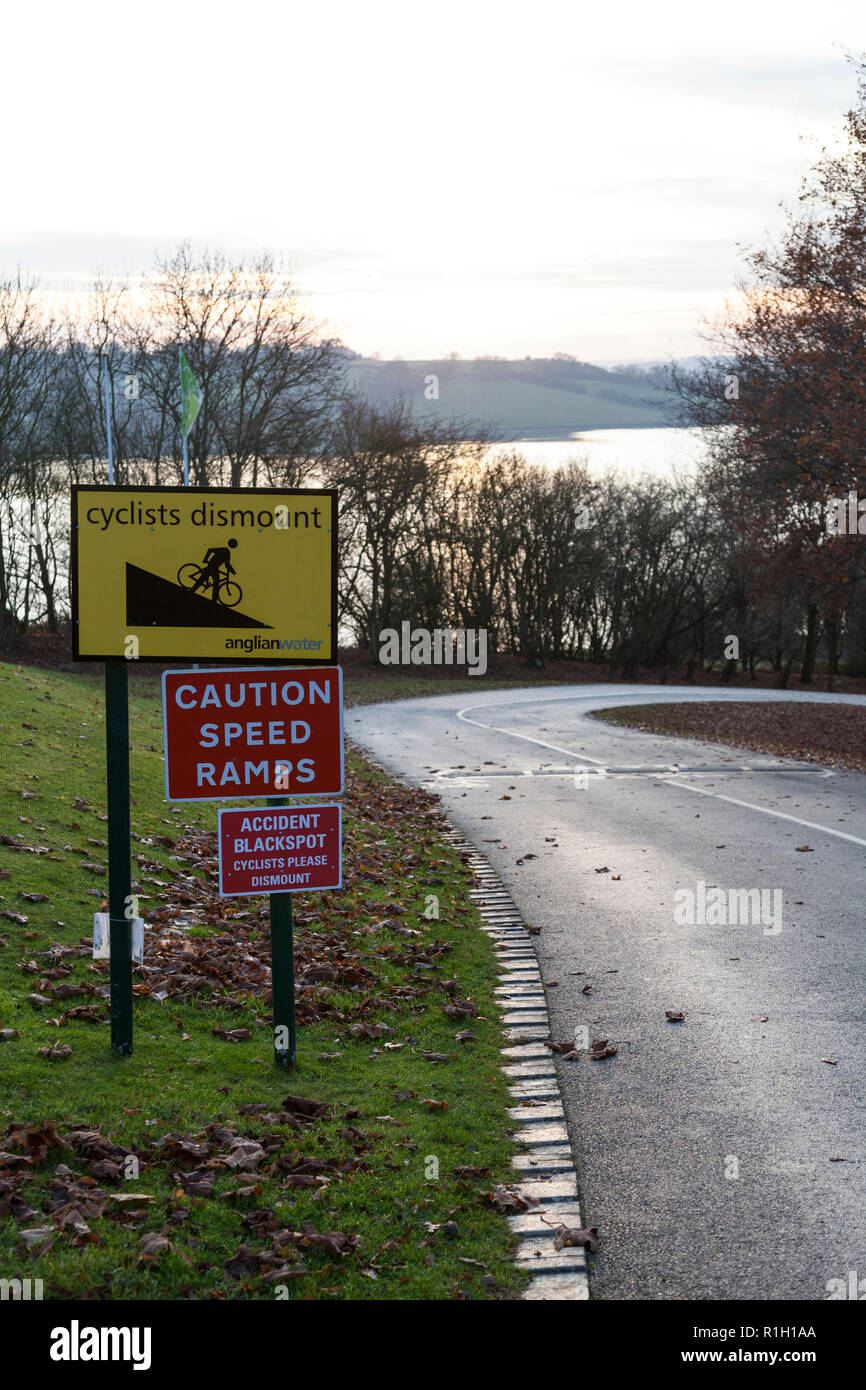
(218, 574)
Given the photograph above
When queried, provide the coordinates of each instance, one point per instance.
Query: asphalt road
(739, 1087)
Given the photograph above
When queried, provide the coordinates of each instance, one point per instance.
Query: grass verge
(195, 1169)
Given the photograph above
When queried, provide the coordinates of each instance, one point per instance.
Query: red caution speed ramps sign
(253, 732)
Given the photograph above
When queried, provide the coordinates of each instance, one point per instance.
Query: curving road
(720, 1157)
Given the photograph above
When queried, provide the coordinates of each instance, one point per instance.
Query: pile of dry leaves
(832, 734)
(89, 1192)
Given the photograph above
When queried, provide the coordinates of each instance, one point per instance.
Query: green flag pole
(190, 405)
(183, 433)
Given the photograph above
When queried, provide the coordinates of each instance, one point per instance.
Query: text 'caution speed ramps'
(219, 574)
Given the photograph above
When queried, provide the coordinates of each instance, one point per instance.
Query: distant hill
(532, 398)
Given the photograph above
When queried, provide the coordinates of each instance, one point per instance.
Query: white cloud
(487, 176)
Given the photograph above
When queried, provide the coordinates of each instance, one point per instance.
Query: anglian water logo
(272, 644)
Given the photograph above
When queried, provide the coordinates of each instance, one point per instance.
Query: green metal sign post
(120, 908)
(283, 978)
(282, 971)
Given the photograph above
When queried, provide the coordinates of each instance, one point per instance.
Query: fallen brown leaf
(575, 1235)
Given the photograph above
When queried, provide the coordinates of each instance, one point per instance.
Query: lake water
(659, 452)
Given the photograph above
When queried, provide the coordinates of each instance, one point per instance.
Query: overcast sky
(460, 176)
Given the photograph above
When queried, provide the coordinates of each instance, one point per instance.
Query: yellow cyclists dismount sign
(213, 574)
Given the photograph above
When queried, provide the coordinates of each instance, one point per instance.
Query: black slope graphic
(155, 602)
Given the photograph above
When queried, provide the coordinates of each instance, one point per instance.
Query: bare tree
(28, 367)
(393, 472)
(268, 374)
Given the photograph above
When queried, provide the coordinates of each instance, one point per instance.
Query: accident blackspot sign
(280, 849)
(253, 732)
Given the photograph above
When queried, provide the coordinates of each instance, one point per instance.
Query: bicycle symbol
(213, 571)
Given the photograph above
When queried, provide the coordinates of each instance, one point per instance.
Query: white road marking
(615, 770)
(702, 791)
(461, 714)
(765, 810)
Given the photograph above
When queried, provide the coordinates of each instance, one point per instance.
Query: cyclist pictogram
(214, 570)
